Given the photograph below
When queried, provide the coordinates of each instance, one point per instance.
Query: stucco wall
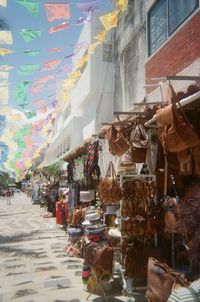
(130, 56)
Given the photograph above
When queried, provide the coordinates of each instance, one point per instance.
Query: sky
(18, 17)
(23, 141)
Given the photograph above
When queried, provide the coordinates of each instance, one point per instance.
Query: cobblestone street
(34, 264)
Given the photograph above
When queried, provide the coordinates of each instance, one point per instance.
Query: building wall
(179, 51)
(130, 55)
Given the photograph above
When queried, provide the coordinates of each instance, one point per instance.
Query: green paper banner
(32, 7)
(28, 35)
(28, 69)
(30, 114)
(32, 53)
(20, 91)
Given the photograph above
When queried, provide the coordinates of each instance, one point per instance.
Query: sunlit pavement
(34, 266)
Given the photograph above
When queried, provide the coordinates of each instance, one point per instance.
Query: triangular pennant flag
(82, 61)
(63, 26)
(6, 67)
(90, 6)
(50, 65)
(3, 3)
(28, 69)
(56, 49)
(42, 110)
(4, 93)
(6, 37)
(21, 90)
(121, 4)
(93, 46)
(57, 11)
(101, 36)
(4, 75)
(36, 89)
(110, 20)
(39, 102)
(83, 20)
(4, 51)
(32, 53)
(30, 114)
(32, 7)
(28, 34)
(44, 80)
(16, 117)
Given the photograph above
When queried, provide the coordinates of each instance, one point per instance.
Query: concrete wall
(130, 56)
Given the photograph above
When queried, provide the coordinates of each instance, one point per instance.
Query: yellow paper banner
(6, 37)
(93, 46)
(4, 51)
(122, 4)
(110, 20)
(6, 67)
(3, 3)
(4, 94)
(101, 36)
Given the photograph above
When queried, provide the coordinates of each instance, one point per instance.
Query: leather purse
(109, 189)
(117, 141)
(176, 132)
(99, 256)
(139, 141)
(160, 281)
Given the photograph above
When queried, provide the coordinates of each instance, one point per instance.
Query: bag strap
(111, 171)
(172, 272)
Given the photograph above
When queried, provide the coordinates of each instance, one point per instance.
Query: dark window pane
(179, 10)
(157, 25)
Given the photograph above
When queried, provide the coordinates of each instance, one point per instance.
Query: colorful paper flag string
(63, 26)
(6, 37)
(28, 35)
(32, 7)
(28, 69)
(57, 11)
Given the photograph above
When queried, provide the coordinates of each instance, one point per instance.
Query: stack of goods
(73, 247)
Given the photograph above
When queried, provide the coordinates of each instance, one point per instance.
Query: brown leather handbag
(109, 189)
(99, 256)
(139, 143)
(160, 281)
(176, 132)
(117, 141)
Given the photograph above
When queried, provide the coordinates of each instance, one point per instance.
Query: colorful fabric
(4, 51)
(28, 35)
(186, 294)
(110, 20)
(28, 69)
(32, 53)
(32, 7)
(20, 92)
(6, 37)
(63, 26)
(57, 11)
(50, 65)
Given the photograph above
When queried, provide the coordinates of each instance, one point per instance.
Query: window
(165, 17)
(107, 52)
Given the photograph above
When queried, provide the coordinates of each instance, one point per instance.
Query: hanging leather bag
(99, 256)
(139, 143)
(117, 142)
(109, 189)
(160, 281)
(176, 132)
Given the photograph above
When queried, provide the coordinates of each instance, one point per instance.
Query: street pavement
(34, 266)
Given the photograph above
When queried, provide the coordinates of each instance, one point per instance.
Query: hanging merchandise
(117, 141)
(139, 141)
(91, 162)
(109, 190)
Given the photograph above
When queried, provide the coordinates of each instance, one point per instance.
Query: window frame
(168, 34)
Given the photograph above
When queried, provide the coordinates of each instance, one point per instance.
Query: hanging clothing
(91, 163)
